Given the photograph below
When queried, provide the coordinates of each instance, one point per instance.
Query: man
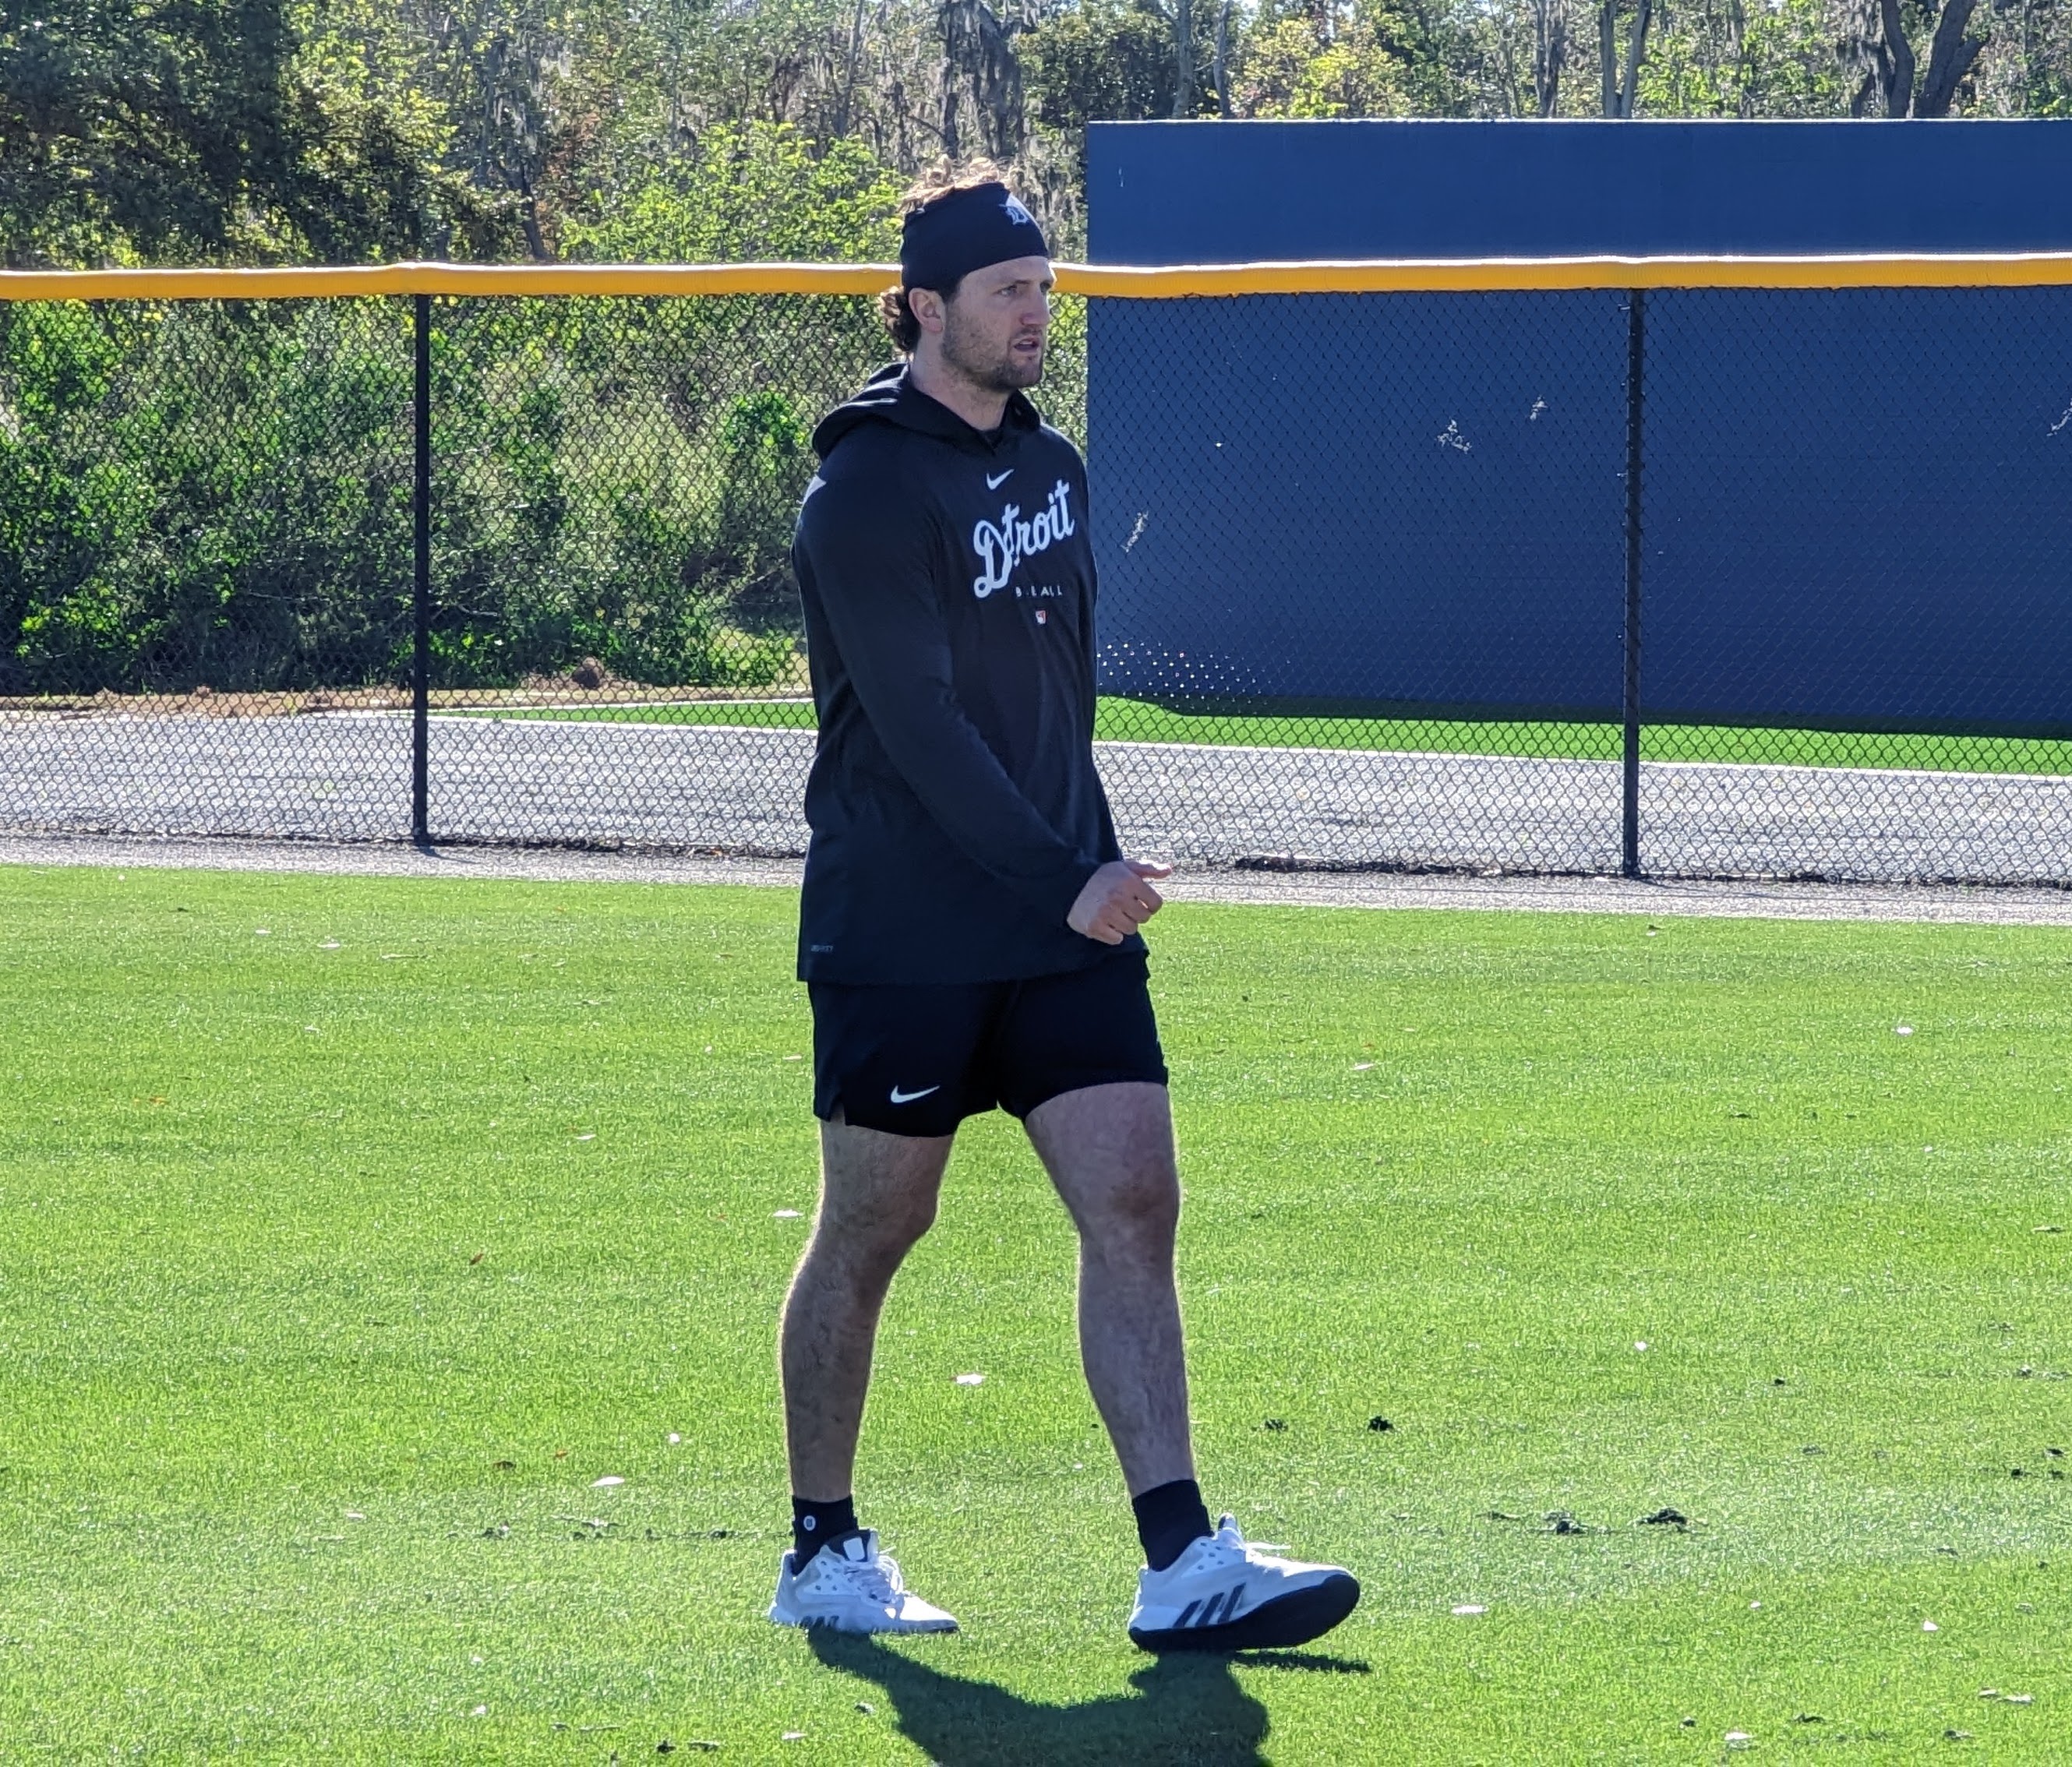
(968, 931)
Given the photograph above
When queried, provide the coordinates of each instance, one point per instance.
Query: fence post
(420, 588)
(1636, 339)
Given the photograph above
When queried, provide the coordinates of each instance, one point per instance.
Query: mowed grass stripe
(1138, 721)
(1448, 1170)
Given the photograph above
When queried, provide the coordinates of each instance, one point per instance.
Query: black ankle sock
(1169, 1519)
(813, 1524)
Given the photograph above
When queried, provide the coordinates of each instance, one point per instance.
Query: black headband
(965, 231)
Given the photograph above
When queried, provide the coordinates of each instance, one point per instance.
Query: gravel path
(344, 777)
(1966, 904)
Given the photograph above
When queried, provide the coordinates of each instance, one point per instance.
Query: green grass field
(352, 1230)
(1137, 720)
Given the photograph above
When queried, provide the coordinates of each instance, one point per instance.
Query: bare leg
(878, 1196)
(1109, 1151)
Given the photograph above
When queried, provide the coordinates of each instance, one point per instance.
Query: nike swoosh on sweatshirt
(954, 808)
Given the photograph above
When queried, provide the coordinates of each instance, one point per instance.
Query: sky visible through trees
(255, 131)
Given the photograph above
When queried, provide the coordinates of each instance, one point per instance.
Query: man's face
(995, 331)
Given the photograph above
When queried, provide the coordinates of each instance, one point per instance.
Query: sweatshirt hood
(891, 397)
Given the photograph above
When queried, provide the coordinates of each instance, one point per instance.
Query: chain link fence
(1380, 588)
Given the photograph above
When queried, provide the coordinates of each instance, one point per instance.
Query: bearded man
(969, 928)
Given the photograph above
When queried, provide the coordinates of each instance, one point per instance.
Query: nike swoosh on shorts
(899, 1097)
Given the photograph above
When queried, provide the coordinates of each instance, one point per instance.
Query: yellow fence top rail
(1493, 275)
(1163, 282)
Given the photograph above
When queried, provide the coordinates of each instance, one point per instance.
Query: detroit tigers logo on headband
(965, 230)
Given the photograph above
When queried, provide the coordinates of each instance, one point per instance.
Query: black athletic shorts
(918, 1061)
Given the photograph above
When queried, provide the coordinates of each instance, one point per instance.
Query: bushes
(221, 493)
(203, 493)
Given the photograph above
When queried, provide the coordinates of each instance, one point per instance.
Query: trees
(1100, 58)
(750, 190)
(980, 68)
(259, 130)
(1724, 58)
(1323, 61)
(1894, 82)
(1619, 87)
(195, 130)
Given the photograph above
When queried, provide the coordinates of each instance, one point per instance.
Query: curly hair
(944, 178)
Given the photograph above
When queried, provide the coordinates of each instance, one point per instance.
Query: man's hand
(1117, 899)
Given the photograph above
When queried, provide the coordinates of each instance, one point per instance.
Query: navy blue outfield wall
(1856, 505)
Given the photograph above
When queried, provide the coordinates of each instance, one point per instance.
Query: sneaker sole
(912, 1630)
(1279, 1625)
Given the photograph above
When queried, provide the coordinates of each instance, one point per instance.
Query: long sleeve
(872, 555)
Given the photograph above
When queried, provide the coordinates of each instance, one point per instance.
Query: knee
(1139, 1216)
(902, 1225)
(877, 1239)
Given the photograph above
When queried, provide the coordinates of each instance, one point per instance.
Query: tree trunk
(1895, 67)
(1636, 49)
(528, 216)
(847, 109)
(1550, 52)
(1183, 53)
(979, 60)
(1950, 58)
(1737, 50)
(1222, 61)
(1608, 54)
(1619, 96)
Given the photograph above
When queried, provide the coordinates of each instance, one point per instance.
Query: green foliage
(202, 494)
(192, 132)
(220, 495)
(1101, 59)
(1779, 61)
(263, 130)
(751, 191)
(1290, 70)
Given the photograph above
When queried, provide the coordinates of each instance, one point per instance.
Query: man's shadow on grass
(1188, 1710)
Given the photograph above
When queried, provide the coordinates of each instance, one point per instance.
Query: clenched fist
(1116, 900)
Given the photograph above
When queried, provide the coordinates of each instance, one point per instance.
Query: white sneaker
(849, 1586)
(1222, 1594)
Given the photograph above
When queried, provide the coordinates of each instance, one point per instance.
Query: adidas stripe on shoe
(1223, 1593)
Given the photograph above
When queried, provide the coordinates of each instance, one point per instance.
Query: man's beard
(1004, 372)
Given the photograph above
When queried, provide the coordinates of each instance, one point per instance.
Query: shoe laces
(875, 1579)
(1227, 1546)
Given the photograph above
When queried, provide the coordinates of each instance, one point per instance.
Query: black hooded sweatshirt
(948, 576)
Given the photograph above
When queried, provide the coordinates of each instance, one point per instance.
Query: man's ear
(927, 305)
